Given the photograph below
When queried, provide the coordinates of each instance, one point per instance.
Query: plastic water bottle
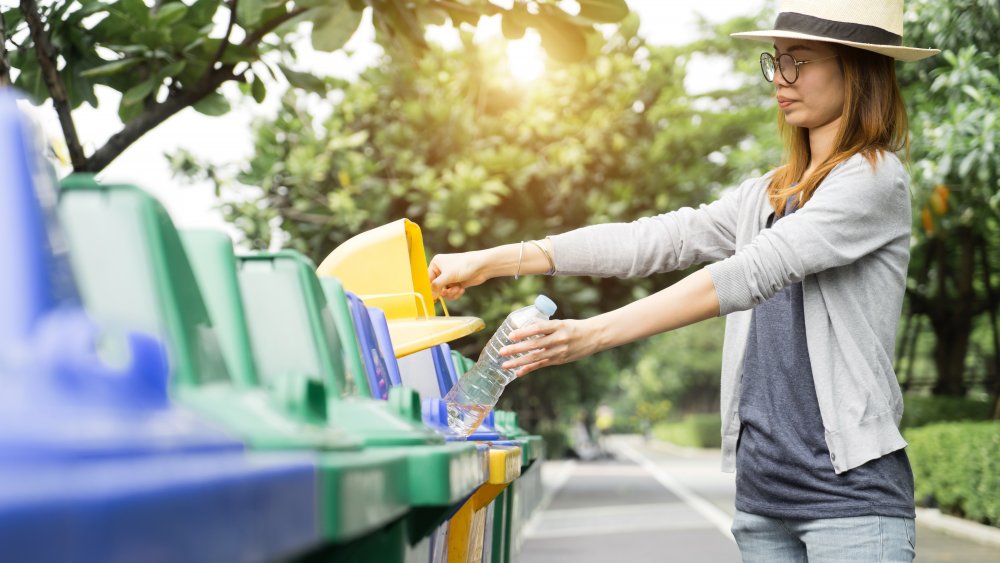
(471, 399)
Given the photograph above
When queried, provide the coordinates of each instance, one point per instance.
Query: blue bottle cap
(545, 305)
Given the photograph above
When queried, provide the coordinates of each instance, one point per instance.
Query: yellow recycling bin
(387, 268)
(467, 528)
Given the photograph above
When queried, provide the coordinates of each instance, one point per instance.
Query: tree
(166, 55)
(954, 102)
(457, 145)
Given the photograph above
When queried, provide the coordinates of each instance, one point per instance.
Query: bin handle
(418, 296)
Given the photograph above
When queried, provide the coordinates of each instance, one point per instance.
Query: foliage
(921, 411)
(695, 431)
(679, 370)
(454, 143)
(954, 106)
(167, 55)
(956, 468)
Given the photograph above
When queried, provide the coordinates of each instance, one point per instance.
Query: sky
(228, 139)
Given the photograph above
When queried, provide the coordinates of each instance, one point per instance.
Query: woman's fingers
(532, 367)
(525, 359)
(451, 274)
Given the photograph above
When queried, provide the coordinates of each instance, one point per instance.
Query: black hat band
(844, 31)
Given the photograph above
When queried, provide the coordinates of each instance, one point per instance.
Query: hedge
(920, 411)
(956, 467)
(696, 431)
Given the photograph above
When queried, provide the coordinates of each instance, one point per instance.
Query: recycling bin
(96, 462)
(135, 273)
(287, 305)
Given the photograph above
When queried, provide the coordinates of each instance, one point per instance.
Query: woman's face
(816, 98)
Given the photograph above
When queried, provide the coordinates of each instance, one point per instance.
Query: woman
(808, 262)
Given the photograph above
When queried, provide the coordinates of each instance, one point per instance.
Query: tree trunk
(952, 318)
(951, 344)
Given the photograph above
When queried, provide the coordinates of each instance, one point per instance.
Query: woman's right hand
(451, 273)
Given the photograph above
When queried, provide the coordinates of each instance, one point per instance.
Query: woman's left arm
(686, 302)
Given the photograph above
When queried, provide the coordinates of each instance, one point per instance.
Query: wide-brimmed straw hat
(872, 25)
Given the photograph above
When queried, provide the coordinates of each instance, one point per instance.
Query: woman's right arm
(451, 273)
(663, 243)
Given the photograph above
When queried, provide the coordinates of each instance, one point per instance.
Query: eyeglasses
(786, 64)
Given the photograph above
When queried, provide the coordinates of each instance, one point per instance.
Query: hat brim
(906, 54)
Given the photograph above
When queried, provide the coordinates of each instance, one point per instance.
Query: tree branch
(47, 60)
(4, 63)
(157, 113)
(225, 38)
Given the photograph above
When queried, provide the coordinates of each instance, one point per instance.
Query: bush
(956, 467)
(556, 443)
(696, 430)
(920, 411)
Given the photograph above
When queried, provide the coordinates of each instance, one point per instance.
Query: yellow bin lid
(387, 268)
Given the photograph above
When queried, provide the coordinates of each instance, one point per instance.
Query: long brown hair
(873, 121)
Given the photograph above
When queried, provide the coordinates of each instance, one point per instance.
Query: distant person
(809, 263)
(603, 422)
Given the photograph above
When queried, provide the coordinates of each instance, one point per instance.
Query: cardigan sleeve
(858, 209)
(662, 243)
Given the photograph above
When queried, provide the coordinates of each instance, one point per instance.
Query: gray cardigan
(849, 246)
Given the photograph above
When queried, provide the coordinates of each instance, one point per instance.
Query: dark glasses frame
(769, 66)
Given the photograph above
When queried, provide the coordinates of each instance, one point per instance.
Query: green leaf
(463, 15)
(258, 89)
(603, 11)
(214, 104)
(248, 12)
(563, 41)
(173, 69)
(303, 80)
(113, 67)
(11, 19)
(135, 10)
(140, 91)
(238, 52)
(201, 12)
(512, 25)
(30, 80)
(169, 14)
(334, 26)
(128, 112)
(182, 36)
(79, 89)
(972, 92)
(152, 38)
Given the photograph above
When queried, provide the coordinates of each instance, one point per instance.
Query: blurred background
(300, 125)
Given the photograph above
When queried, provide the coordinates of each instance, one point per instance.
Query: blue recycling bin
(96, 464)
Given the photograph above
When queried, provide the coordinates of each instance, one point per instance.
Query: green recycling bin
(134, 273)
(289, 317)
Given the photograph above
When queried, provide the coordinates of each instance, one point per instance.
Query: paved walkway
(656, 502)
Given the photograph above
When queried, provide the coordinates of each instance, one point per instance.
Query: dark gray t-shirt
(783, 467)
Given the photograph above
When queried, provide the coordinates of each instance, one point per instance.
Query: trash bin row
(165, 399)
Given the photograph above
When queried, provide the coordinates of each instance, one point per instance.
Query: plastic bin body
(96, 463)
(135, 273)
(439, 474)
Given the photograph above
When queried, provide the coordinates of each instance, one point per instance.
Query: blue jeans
(861, 539)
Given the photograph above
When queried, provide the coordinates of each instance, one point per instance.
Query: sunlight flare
(526, 58)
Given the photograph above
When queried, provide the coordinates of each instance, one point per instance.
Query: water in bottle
(471, 399)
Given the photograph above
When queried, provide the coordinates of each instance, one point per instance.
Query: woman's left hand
(555, 342)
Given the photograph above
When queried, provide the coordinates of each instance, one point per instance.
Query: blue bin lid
(37, 276)
(371, 356)
(384, 340)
